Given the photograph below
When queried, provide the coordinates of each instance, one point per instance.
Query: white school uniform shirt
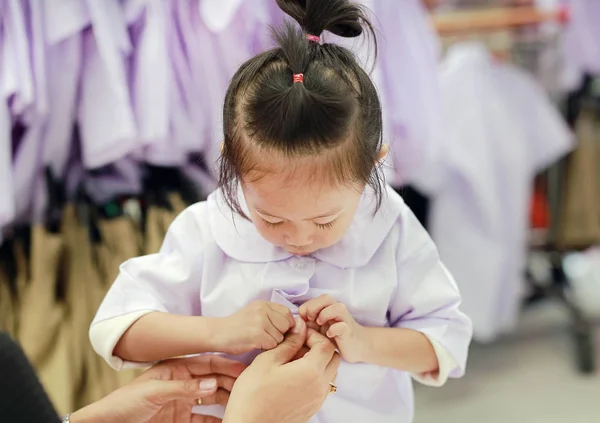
(580, 46)
(105, 113)
(386, 270)
(501, 130)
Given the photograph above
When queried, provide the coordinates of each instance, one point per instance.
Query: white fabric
(446, 364)
(7, 202)
(105, 112)
(581, 45)
(108, 334)
(501, 129)
(218, 14)
(406, 77)
(385, 270)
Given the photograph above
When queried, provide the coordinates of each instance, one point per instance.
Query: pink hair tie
(298, 77)
(313, 38)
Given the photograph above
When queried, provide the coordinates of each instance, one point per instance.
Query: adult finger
(197, 418)
(220, 397)
(284, 312)
(300, 353)
(290, 346)
(321, 351)
(213, 364)
(311, 309)
(164, 391)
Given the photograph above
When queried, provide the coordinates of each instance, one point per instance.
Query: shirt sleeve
(168, 281)
(427, 300)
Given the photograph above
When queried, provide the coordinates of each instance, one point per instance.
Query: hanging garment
(55, 373)
(153, 231)
(159, 114)
(501, 129)
(21, 261)
(406, 76)
(121, 178)
(41, 315)
(579, 217)
(229, 32)
(159, 220)
(64, 63)
(409, 60)
(581, 49)
(121, 240)
(105, 113)
(86, 290)
(78, 281)
(44, 333)
(17, 69)
(7, 205)
(8, 308)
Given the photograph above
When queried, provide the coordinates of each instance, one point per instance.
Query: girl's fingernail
(208, 384)
(299, 326)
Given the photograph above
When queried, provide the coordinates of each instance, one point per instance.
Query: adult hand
(167, 392)
(275, 389)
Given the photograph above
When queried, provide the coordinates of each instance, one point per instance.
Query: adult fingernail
(299, 326)
(208, 384)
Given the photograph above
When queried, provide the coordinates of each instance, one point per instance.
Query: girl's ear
(221, 147)
(385, 149)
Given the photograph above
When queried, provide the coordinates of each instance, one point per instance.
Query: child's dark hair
(335, 113)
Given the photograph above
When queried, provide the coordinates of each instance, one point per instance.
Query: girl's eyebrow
(328, 214)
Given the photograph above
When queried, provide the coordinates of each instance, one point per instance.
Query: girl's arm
(401, 349)
(428, 335)
(147, 313)
(157, 336)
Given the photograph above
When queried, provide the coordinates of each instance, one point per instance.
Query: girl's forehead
(297, 199)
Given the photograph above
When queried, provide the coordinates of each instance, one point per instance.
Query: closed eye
(325, 226)
(272, 224)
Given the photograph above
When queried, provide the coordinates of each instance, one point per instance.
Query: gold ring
(332, 388)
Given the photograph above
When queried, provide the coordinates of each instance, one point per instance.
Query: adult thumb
(164, 391)
(291, 345)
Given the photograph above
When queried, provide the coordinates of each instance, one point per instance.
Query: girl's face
(298, 213)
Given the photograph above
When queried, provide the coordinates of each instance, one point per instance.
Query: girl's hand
(336, 322)
(259, 326)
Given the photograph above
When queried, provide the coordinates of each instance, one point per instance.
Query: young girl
(302, 224)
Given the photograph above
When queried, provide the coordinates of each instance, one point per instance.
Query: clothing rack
(494, 19)
(463, 23)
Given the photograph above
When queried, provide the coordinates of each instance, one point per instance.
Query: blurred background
(110, 125)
